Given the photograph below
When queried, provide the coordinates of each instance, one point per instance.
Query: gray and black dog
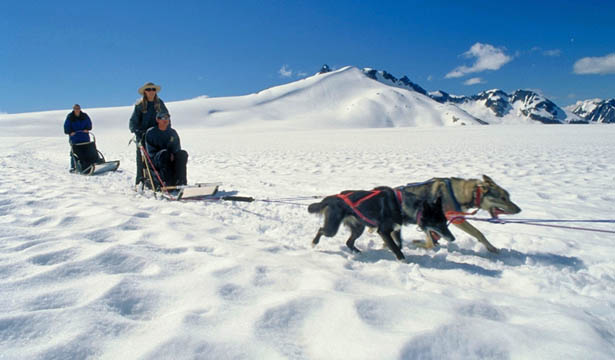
(384, 209)
(460, 195)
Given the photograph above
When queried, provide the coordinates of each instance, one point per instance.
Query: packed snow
(89, 268)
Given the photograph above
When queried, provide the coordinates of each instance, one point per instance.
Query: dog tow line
(542, 222)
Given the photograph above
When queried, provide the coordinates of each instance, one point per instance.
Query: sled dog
(460, 195)
(384, 209)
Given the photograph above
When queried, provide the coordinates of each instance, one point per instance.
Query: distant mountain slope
(386, 78)
(345, 98)
(522, 106)
(341, 98)
(595, 110)
(492, 106)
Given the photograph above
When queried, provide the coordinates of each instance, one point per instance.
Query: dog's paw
(422, 244)
(493, 249)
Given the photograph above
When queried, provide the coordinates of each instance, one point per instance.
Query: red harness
(419, 214)
(458, 217)
(354, 205)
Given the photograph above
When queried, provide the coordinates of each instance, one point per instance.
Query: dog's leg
(385, 233)
(317, 237)
(428, 244)
(355, 231)
(396, 235)
(333, 220)
(470, 229)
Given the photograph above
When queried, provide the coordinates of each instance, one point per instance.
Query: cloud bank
(596, 65)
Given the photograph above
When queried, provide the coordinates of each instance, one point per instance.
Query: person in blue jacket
(164, 149)
(144, 117)
(76, 126)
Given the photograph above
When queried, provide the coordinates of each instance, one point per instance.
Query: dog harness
(457, 216)
(398, 195)
(355, 205)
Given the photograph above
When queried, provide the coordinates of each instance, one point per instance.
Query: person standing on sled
(144, 117)
(76, 126)
(164, 149)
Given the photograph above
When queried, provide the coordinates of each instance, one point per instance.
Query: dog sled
(154, 182)
(88, 160)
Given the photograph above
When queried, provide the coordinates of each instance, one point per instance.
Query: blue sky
(54, 54)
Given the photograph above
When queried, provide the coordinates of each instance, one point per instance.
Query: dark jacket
(141, 121)
(157, 140)
(77, 124)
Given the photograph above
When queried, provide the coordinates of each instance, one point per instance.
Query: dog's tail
(316, 207)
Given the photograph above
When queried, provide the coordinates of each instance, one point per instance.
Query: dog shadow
(507, 257)
(425, 261)
(512, 257)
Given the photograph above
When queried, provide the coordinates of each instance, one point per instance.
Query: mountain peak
(324, 69)
(595, 110)
(388, 79)
(496, 106)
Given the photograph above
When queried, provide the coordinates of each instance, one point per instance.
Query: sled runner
(88, 160)
(197, 191)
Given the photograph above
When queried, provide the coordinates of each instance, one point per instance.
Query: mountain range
(595, 110)
(497, 107)
(344, 98)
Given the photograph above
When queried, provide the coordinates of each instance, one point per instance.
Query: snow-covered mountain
(331, 99)
(386, 78)
(522, 106)
(489, 107)
(344, 98)
(595, 110)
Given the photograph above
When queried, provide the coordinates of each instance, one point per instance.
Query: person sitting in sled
(76, 126)
(164, 149)
(144, 117)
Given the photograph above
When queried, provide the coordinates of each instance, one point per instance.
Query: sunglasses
(150, 89)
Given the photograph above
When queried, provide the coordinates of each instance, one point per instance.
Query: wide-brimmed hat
(149, 85)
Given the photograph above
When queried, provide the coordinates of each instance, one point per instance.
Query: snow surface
(91, 269)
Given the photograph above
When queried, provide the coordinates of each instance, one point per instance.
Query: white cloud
(596, 65)
(554, 52)
(487, 57)
(474, 81)
(285, 71)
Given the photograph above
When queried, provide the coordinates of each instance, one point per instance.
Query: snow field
(91, 269)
